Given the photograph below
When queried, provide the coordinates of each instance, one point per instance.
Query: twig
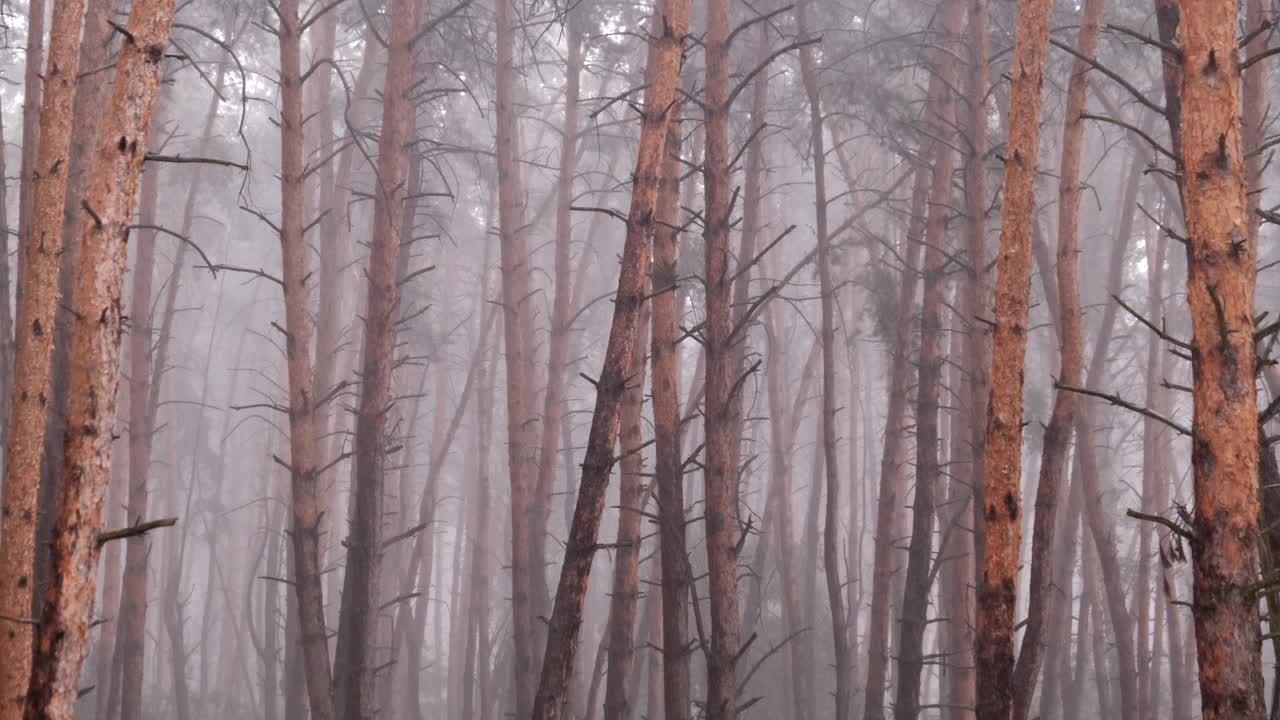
(139, 529)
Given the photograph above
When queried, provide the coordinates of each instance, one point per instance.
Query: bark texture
(1220, 284)
(95, 358)
(1001, 502)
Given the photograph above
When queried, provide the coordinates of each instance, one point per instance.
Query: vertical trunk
(668, 463)
(95, 360)
(526, 560)
(558, 345)
(665, 60)
(1220, 283)
(830, 550)
(1057, 435)
(131, 642)
(354, 664)
(107, 668)
(44, 184)
(892, 459)
(303, 460)
(976, 348)
(998, 590)
(32, 117)
(619, 691)
(721, 476)
(919, 576)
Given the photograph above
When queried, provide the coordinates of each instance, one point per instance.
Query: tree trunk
(354, 664)
(41, 248)
(831, 526)
(132, 629)
(997, 592)
(308, 508)
(940, 117)
(526, 555)
(619, 691)
(95, 361)
(668, 462)
(1057, 436)
(663, 72)
(721, 475)
(893, 457)
(1220, 283)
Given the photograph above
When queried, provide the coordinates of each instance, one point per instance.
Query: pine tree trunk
(619, 691)
(665, 58)
(1001, 504)
(668, 463)
(95, 361)
(354, 664)
(940, 117)
(308, 508)
(40, 250)
(132, 635)
(893, 456)
(1220, 284)
(1057, 435)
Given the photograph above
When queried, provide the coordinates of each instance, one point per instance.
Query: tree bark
(997, 592)
(354, 664)
(1220, 283)
(668, 463)
(1057, 435)
(665, 59)
(41, 248)
(308, 508)
(95, 361)
(940, 117)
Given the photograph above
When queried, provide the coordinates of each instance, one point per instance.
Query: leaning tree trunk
(95, 357)
(1220, 283)
(41, 248)
(308, 508)
(940, 117)
(665, 59)
(361, 587)
(1057, 434)
(1001, 503)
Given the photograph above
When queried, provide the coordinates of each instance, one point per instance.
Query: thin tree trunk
(304, 464)
(893, 457)
(831, 526)
(668, 463)
(920, 562)
(1057, 435)
(619, 691)
(95, 361)
(997, 594)
(1220, 283)
(131, 641)
(566, 620)
(44, 183)
(354, 664)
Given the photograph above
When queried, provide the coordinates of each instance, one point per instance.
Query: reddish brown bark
(41, 246)
(1001, 503)
(1220, 284)
(308, 508)
(95, 358)
(1057, 435)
